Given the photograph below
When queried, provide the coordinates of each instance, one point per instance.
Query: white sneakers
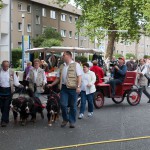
(90, 114)
(81, 116)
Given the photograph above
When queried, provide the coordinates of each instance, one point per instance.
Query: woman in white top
(87, 90)
(142, 80)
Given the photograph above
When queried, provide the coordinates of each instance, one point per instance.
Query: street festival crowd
(73, 79)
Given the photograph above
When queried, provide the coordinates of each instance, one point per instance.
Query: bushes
(83, 59)
(117, 55)
(16, 56)
(146, 56)
(128, 55)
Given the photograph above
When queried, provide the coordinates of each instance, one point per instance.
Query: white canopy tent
(59, 49)
(56, 49)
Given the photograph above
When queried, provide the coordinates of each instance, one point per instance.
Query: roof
(53, 3)
(58, 49)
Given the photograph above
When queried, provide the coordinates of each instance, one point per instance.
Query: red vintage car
(126, 89)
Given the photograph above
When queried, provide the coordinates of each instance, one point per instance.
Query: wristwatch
(78, 86)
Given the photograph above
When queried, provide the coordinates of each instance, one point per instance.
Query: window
(70, 19)
(19, 6)
(63, 17)
(127, 43)
(19, 26)
(37, 21)
(44, 12)
(29, 8)
(63, 33)
(70, 34)
(44, 27)
(19, 44)
(81, 45)
(76, 36)
(76, 19)
(52, 14)
(28, 27)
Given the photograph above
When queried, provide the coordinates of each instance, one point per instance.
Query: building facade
(31, 17)
(138, 49)
(5, 41)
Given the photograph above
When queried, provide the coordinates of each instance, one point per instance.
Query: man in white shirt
(69, 76)
(7, 81)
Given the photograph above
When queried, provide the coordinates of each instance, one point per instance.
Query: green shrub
(90, 57)
(16, 56)
(146, 56)
(117, 55)
(128, 55)
(83, 59)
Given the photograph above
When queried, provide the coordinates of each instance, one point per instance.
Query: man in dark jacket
(119, 74)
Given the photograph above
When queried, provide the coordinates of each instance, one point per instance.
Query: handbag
(147, 75)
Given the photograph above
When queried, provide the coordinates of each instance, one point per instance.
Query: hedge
(16, 56)
(82, 59)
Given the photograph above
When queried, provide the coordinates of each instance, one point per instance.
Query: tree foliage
(105, 17)
(50, 37)
(50, 43)
(1, 4)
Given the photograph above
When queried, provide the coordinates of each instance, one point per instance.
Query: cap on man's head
(122, 58)
(95, 62)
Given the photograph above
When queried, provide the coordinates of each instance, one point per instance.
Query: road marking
(95, 143)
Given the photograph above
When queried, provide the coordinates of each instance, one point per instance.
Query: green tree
(1, 4)
(105, 17)
(50, 37)
(50, 43)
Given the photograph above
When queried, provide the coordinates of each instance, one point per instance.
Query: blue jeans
(113, 84)
(89, 98)
(68, 96)
(144, 90)
(5, 107)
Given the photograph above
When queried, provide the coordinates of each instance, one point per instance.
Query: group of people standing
(142, 67)
(73, 79)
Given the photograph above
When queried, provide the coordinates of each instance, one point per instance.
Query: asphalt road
(109, 123)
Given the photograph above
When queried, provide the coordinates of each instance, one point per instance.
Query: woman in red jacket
(98, 72)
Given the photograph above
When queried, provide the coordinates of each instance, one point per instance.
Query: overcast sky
(72, 2)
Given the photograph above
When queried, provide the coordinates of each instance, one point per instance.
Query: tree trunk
(110, 46)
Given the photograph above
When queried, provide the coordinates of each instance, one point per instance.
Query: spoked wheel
(118, 100)
(133, 97)
(98, 100)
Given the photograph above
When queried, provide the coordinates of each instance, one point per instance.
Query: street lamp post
(23, 17)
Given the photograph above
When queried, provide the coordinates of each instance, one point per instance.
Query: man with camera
(119, 73)
(112, 63)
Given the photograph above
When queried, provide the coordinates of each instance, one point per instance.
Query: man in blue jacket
(119, 74)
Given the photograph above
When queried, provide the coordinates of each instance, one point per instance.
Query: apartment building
(138, 49)
(5, 45)
(31, 17)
